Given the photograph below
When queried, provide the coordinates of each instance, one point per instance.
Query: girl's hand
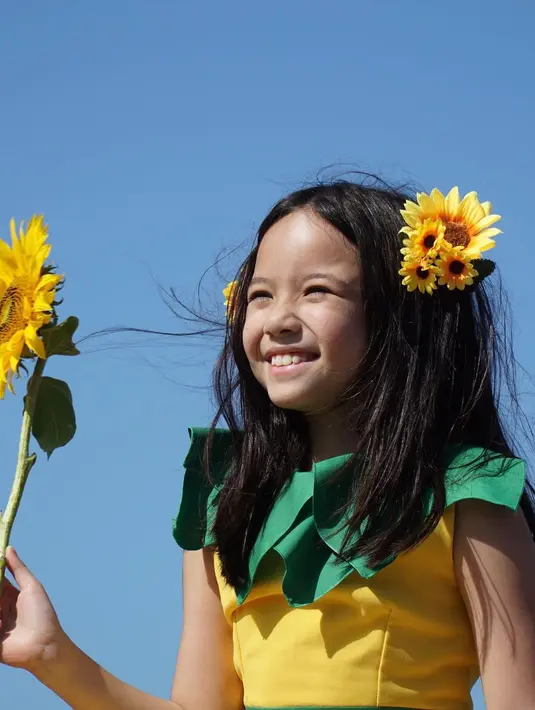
(30, 631)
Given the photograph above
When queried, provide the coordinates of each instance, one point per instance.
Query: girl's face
(304, 333)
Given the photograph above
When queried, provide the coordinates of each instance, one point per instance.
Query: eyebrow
(258, 280)
(316, 275)
(328, 277)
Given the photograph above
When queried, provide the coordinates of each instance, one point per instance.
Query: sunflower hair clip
(229, 292)
(444, 238)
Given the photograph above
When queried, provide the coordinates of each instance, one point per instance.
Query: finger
(18, 569)
(9, 597)
(8, 603)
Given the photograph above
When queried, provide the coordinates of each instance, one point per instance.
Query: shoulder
(474, 473)
(221, 448)
(206, 464)
(491, 536)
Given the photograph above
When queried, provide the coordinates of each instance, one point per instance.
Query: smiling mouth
(291, 359)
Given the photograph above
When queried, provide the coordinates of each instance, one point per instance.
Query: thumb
(18, 569)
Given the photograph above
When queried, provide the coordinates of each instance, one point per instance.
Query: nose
(281, 320)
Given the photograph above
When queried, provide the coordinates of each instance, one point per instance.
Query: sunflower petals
(487, 221)
(34, 342)
(489, 233)
(452, 202)
(411, 218)
(426, 203)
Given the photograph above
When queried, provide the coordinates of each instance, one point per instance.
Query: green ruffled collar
(302, 528)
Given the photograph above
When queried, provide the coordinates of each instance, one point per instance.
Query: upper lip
(287, 350)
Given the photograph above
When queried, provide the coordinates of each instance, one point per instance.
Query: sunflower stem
(25, 462)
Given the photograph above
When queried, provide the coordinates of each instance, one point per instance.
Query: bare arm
(84, 685)
(495, 564)
(205, 676)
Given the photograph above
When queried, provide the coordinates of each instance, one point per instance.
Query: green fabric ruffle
(302, 528)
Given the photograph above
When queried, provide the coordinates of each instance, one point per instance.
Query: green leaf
(484, 268)
(58, 339)
(54, 421)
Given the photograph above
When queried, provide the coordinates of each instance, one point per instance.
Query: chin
(288, 400)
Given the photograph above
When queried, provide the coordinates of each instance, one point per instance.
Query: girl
(357, 537)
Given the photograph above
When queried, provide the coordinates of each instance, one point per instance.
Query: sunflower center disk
(456, 234)
(422, 273)
(11, 313)
(456, 268)
(429, 241)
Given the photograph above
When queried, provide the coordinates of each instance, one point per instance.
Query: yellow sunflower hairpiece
(443, 240)
(229, 292)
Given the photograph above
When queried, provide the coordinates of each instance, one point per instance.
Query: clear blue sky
(152, 135)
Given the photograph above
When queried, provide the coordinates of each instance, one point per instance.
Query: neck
(330, 435)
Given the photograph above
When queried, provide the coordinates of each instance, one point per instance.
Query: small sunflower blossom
(449, 233)
(455, 269)
(418, 274)
(229, 292)
(27, 293)
(425, 240)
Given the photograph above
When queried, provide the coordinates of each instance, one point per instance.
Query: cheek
(344, 336)
(251, 336)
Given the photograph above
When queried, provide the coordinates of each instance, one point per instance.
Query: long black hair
(431, 376)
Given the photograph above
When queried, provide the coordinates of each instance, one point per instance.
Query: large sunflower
(467, 222)
(455, 269)
(27, 294)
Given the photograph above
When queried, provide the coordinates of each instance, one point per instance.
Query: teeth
(285, 360)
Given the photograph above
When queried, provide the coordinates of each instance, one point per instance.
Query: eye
(316, 289)
(258, 296)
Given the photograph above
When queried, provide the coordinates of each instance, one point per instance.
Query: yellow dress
(313, 633)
